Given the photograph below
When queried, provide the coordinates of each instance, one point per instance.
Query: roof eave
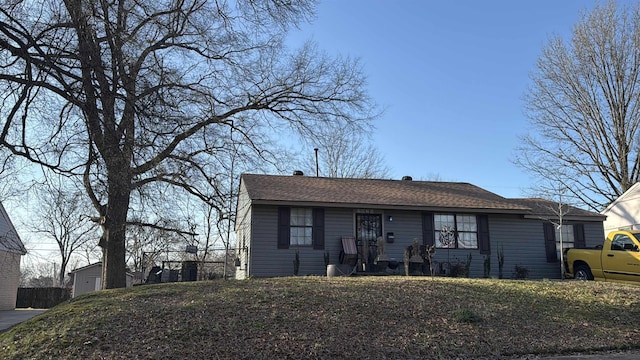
(519, 211)
(20, 252)
(566, 217)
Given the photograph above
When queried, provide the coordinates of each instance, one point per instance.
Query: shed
(89, 278)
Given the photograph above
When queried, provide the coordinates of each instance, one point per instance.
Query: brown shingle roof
(372, 192)
(422, 195)
(543, 208)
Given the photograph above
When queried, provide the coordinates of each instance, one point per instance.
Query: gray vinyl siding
(267, 260)
(521, 239)
(338, 223)
(593, 234)
(406, 226)
(522, 242)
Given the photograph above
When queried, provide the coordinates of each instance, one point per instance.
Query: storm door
(368, 229)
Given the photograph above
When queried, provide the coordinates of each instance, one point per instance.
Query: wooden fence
(41, 298)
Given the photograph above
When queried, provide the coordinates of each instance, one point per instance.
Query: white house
(624, 212)
(89, 278)
(11, 251)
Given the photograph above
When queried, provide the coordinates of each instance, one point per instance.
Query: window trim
(549, 232)
(308, 216)
(457, 232)
(284, 228)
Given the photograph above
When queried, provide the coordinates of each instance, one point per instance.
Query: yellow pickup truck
(618, 259)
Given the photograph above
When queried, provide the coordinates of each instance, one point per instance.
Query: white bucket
(339, 270)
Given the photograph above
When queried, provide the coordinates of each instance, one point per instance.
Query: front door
(368, 229)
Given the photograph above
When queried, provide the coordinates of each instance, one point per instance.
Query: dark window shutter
(428, 234)
(578, 236)
(484, 242)
(318, 229)
(284, 232)
(550, 242)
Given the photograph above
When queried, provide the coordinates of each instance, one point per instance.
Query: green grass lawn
(340, 317)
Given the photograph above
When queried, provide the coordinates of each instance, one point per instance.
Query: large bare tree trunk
(115, 220)
(114, 266)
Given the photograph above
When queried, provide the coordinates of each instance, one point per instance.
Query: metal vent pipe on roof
(317, 168)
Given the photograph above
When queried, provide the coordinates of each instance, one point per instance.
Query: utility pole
(55, 275)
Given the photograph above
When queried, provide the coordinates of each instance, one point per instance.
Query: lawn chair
(349, 253)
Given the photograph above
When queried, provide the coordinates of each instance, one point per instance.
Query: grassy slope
(350, 318)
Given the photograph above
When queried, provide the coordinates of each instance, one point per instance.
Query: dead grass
(338, 318)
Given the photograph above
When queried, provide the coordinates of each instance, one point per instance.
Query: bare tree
(345, 153)
(148, 245)
(558, 208)
(88, 253)
(129, 93)
(584, 108)
(213, 241)
(38, 274)
(61, 217)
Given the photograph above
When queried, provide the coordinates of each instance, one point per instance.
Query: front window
(568, 239)
(301, 226)
(455, 231)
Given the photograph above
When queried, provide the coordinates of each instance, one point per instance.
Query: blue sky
(451, 76)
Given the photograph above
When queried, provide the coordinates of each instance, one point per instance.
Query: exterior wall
(624, 213)
(243, 233)
(523, 244)
(267, 260)
(593, 234)
(84, 280)
(9, 239)
(522, 240)
(9, 279)
(243, 247)
(406, 226)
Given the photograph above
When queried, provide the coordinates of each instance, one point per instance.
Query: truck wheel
(582, 272)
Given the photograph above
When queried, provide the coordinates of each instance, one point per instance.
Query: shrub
(296, 263)
(457, 270)
(467, 265)
(487, 266)
(467, 316)
(500, 261)
(520, 272)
